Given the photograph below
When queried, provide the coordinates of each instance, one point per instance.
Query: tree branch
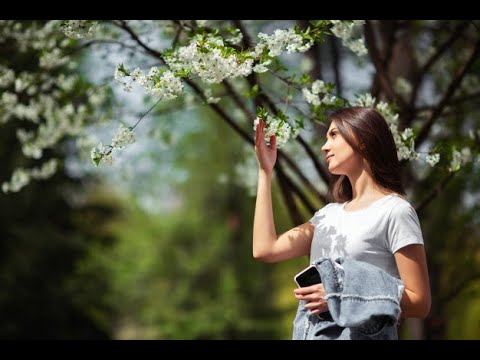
(313, 55)
(379, 66)
(253, 80)
(236, 98)
(222, 113)
(428, 64)
(448, 94)
(288, 198)
(177, 35)
(300, 174)
(318, 166)
(434, 192)
(231, 122)
(245, 136)
(455, 101)
(282, 155)
(247, 40)
(301, 195)
(336, 64)
(122, 24)
(388, 45)
(100, 41)
(440, 50)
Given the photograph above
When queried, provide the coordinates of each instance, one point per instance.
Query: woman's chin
(335, 171)
(331, 168)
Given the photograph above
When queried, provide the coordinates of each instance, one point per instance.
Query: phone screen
(308, 277)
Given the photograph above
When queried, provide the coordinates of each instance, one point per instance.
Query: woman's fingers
(309, 289)
(317, 308)
(259, 133)
(321, 305)
(311, 297)
(320, 310)
(314, 295)
(273, 142)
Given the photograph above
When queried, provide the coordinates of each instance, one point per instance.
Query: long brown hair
(374, 141)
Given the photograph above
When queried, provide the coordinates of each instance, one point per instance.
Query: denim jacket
(363, 303)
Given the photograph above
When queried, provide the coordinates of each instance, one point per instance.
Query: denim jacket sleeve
(360, 294)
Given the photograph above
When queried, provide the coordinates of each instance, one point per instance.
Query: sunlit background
(158, 244)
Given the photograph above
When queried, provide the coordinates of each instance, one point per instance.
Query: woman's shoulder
(400, 205)
(327, 208)
(331, 205)
(323, 213)
(399, 199)
(331, 209)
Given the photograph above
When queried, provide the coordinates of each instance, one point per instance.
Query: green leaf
(305, 79)
(253, 92)
(122, 69)
(262, 113)
(96, 160)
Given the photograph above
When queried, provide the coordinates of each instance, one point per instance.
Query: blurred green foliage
(81, 264)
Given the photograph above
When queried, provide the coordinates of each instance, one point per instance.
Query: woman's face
(341, 158)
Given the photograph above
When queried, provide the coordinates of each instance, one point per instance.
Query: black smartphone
(308, 276)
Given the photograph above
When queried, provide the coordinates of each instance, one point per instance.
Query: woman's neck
(364, 188)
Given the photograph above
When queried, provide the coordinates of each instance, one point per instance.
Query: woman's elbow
(422, 308)
(262, 256)
(425, 308)
(416, 305)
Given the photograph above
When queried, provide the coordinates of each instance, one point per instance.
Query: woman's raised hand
(266, 155)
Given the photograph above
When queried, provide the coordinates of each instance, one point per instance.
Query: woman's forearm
(414, 305)
(264, 233)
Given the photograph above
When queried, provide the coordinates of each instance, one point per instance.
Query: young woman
(369, 218)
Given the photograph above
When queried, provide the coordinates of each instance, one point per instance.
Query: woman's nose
(325, 147)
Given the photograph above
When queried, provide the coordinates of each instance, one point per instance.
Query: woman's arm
(412, 267)
(266, 245)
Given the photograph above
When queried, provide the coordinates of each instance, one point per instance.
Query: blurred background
(158, 244)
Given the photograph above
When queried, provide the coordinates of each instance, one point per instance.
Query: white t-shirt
(372, 234)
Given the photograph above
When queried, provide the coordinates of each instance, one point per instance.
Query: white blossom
(306, 65)
(22, 177)
(460, 158)
(318, 86)
(78, 29)
(365, 100)
(407, 133)
(403, 86)
(209, 98)
(310, 98)
(7, 76)
(433, 159)
(261, 67)
(346, 31)
(236, 38)
(122, 137)
(37, 95)
(282, 130)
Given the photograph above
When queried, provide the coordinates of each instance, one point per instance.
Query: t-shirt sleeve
(403, 228)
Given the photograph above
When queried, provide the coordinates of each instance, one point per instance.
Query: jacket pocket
(378, 328)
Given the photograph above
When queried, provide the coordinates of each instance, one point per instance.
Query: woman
(368, 220)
